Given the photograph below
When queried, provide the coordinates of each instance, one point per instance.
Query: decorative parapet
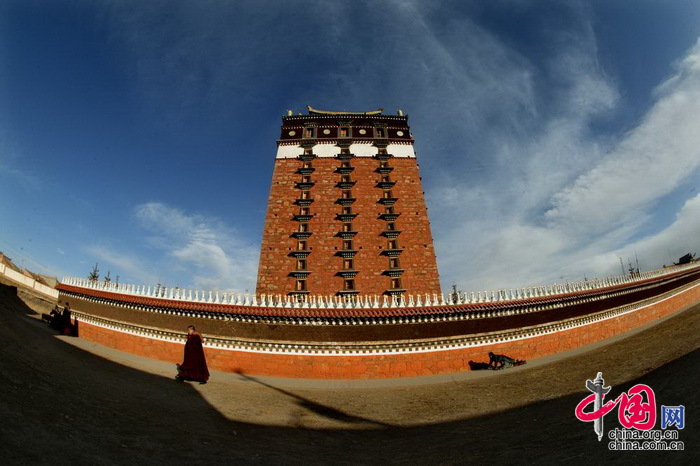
(500, 297)
(410, 346)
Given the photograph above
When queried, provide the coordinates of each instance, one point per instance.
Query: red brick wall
(397, 365)
(417, 259)
(154, 349)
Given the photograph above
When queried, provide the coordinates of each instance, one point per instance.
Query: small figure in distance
(194, 364)
(501, 361)
(49, 318)
(67, 328)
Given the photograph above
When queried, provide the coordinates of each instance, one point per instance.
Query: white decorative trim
(384, 348)
(357, 149)
(504, 296)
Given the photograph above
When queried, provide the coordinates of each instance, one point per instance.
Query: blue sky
(553, 137)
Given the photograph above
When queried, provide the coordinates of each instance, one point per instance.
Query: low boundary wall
(29, 282)
(112, 320)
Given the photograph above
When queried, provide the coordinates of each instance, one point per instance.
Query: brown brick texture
(417, 258)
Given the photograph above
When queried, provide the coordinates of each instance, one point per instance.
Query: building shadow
(478, 366)
(317, 408)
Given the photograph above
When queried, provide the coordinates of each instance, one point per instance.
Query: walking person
(194, 365)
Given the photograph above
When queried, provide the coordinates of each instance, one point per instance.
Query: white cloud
(211, 254)
(181, 249)
(130, 267)
(580, 200)
(521, 189)
(651, 161)
(678, 239)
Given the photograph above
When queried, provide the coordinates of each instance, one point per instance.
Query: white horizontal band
(357, 149)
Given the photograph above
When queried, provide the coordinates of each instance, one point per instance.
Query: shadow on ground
(63, 405)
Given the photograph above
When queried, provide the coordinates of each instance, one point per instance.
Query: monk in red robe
(194, 366)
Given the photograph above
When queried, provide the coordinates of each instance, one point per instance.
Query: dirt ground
(65, 400)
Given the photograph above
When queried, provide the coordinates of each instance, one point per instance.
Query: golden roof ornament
(313, 111)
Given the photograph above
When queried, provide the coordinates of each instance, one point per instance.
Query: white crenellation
(369, 302)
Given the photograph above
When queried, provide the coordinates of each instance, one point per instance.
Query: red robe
(194, 367)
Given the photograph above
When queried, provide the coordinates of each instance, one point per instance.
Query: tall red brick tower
(346, 213)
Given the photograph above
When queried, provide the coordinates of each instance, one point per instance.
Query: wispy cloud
(669, 244)
(130, 267)
(649, 162)
(212, 254)
(523, 184)
(599, 202)
(14, 165)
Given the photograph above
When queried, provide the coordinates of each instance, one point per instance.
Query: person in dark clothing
(194, 364)
(67, 325)
(501, 361)
(53, 317)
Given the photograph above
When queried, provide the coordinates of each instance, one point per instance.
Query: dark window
(349, 285)
(348, 264)
(301, 264)
(301, 285)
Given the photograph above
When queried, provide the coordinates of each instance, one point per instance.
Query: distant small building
(8, 263)
(687, 259)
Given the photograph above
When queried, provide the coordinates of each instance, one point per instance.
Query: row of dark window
(346, 132)
(393, 250)
(304, 202)
(346, 216)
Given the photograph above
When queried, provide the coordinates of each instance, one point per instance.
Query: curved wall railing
(501, 296)
(369, 337)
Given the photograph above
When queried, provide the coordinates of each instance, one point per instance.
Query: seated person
(49, 317)
(56, 319)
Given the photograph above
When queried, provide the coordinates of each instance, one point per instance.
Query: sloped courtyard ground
(65, 400)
